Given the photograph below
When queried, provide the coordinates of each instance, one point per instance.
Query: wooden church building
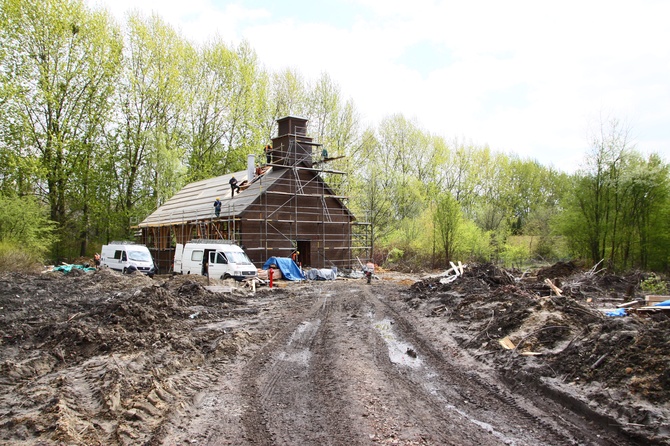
(282, 206)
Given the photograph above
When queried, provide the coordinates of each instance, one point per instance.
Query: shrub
(26, 233)
(654, 285)
(15, 258)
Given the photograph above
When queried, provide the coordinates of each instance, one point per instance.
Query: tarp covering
(665, 303)
(320, 274)
(287, 267)
(617, 313)
(67, 268)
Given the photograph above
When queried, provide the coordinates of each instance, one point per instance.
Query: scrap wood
(651, 310)
(448, 279)
(457, 270)
(510, 276)
(219, 289)
(507, 343)
(654, 299)
(439, 309)
(592, 272)
(454, 268)
(632, 303)
(76, 315)
(554, 288)
(600, 360)
(548, 327)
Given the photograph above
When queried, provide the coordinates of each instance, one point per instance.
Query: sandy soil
(103, 358)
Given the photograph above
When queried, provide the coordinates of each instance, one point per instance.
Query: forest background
(101, 123)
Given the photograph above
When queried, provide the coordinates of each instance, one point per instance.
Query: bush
(16, 258)
(654, 285)
(26, 233)
(514, 255)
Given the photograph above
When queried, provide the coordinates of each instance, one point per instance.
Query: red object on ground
(270, 274)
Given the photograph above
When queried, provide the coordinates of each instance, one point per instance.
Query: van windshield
(238, 257)
(139, 256)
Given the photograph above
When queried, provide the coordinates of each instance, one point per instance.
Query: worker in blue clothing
(217, 207)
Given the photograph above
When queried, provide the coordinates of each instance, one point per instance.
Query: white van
(127, 257)
(218, 258)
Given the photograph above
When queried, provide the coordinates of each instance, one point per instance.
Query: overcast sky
(525, 77)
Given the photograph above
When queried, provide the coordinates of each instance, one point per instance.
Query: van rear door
(178, 253)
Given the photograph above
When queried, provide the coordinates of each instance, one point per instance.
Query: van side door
(195, 262)
(218, 264)
(119, 260)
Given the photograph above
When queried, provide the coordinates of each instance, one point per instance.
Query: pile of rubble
(552, 328)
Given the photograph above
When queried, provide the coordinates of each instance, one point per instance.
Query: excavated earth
(492, 358)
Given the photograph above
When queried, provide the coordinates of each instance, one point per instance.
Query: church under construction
(281, 207)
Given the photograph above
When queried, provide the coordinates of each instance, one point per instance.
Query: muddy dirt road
(347, 369)
(101, 358)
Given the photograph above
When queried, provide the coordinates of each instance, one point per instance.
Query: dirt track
(126, 360)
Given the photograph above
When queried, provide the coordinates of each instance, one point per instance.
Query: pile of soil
(563, 343)
(100, 358)
(104, 358)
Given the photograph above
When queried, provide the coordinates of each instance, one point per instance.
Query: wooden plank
(654, 299)
(554, 288)
(219, 289)
(632, 303)
(507, 343)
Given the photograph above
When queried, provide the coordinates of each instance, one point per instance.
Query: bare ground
(102, 358)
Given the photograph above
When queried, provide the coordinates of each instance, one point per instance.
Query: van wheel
(226, 276)
(125, 271)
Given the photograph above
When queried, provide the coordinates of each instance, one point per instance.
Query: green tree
(288, 94)
(404, 145)
(371, 185)
(151, 102)
(59, 63)
(448, 219)
(614, 208)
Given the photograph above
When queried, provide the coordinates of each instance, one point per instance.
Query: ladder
(201, 228)
(326, 212)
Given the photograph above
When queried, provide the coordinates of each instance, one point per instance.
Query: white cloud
(521, 75)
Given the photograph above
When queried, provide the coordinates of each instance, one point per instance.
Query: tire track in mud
(557, 425)
(332, 377)
(347, 368)
(287, 382)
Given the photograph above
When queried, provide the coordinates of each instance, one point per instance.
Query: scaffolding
(293, 209)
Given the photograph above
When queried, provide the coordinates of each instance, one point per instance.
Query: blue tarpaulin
(665, 303)
(617, 313)
(287, 266)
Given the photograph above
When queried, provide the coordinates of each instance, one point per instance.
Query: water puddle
(221, 325)
(300, 357)
(400, 352)
(485, 426)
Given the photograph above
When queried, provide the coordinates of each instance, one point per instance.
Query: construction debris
(529, 315)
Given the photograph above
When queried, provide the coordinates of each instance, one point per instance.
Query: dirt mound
(557, 270)
(100, 357)
(519, 325)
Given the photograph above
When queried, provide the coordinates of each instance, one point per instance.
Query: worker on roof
(217, 207)
(268, 153)
(233, 186)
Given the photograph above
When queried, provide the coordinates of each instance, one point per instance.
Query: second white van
(217, 258)
(126, 257)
